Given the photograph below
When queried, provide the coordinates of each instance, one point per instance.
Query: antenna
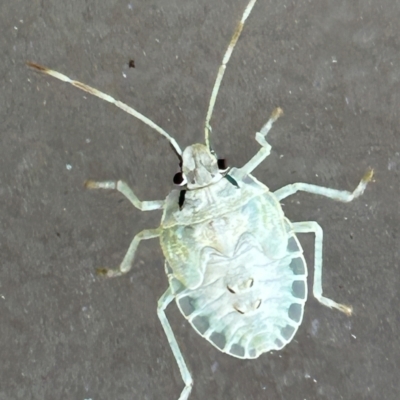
(111, 100)
(222, 68)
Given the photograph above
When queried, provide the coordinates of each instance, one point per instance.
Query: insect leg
(222, 68)
(163, 302)
(265, 147)
(313, 227)
(127, 192)
(339, 195)
(126, 264)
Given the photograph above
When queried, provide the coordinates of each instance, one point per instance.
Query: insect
(234, 264)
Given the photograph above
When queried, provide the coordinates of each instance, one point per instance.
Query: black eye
(222, 165)
(179, 179)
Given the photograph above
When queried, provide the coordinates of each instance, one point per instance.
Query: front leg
(265, 150)
(123, 188)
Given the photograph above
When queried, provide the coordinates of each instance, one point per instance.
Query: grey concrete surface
(333, 66)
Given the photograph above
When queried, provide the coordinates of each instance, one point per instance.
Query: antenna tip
(36, 66)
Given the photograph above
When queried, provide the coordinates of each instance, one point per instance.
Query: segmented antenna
(111, 100)
(222, 68)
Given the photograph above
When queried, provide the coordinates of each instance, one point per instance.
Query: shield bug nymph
(235, 266)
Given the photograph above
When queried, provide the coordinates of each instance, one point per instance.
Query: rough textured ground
(334, 67)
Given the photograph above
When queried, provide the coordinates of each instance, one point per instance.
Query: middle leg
(126, 264)
(313, 227)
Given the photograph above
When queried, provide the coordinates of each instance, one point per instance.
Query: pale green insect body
(234, 266)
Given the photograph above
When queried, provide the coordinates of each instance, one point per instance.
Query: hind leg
(163, 303)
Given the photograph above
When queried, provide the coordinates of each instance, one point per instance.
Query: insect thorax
(212, 201)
